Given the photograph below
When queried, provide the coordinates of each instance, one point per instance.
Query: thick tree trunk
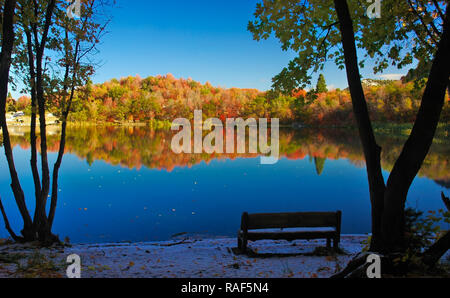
(388, 201)
(418, 144)
(371, 149)
(8, 37)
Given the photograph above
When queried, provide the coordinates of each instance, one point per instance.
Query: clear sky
(206, 40)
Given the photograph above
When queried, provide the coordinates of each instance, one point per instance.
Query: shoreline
(185, 258)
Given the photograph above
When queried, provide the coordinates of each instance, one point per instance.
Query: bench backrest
(291, 220)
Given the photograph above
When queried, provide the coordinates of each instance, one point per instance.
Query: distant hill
(165, 98)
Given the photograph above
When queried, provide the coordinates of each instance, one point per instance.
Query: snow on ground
(188, 258)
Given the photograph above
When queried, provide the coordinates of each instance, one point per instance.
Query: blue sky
(203, 40)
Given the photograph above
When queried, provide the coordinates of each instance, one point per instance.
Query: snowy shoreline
(187, 258)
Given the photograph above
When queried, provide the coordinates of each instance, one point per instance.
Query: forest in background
(164, 98)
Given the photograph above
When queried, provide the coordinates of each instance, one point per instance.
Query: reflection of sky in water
(102, 202)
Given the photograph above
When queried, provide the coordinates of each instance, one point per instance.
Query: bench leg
(242, 243)
(328, 243)
(336, 243)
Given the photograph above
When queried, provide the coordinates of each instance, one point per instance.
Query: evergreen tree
(10, 103)
(321, 86)
(319, 163)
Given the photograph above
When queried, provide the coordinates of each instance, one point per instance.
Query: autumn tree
(332, 30)
(23, 102)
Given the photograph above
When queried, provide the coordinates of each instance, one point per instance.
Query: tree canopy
(406, 30)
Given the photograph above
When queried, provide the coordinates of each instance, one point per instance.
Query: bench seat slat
(286, 230)
(291, 220)
(291, 235)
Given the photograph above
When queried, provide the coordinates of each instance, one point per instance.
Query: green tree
(319, 162)
(325, 30)
(10, 103)
(321, 86)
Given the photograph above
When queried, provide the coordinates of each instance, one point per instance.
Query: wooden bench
(285, 226)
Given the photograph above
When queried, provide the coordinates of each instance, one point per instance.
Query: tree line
(164, 98)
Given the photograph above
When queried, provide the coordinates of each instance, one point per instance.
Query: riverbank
(182, 258)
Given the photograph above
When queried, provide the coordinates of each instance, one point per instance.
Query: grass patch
(38, 265)
(11, 258)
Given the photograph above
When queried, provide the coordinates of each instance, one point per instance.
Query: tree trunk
(66, 106)
(388, 201)
(371, 149)
(7, 226)
(8, 37)
(41, 219)
(56, 167)
(418, 144)
(33, 160)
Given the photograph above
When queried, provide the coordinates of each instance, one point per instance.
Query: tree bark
(418, 144)
(8, 37)
(446, 201)
(41, 219)
(33, 160)
(437, 250)
(371, 149)
(56, 167)
(62, 145)
(7, 226)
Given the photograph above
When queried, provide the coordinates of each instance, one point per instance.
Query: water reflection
(137, 147)
(125, 183)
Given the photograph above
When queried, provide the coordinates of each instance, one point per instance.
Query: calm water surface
(125, 184)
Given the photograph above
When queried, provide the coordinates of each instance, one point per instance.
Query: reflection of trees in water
(134, 147)
(319, 163)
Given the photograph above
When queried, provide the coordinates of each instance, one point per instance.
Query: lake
(125, 183)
